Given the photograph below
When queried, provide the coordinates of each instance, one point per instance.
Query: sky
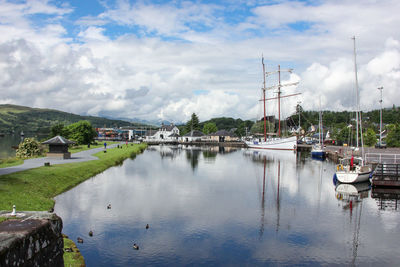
(164, 60)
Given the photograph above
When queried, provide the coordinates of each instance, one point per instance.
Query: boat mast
(265, 121)
(321, 132)
(380, 124)
(279, 100)
(279, 86)
(357, 96)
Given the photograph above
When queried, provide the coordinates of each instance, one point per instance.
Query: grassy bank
(9, 162)
(34, 189)
(72, 255)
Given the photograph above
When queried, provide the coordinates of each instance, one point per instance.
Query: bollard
(13, 213)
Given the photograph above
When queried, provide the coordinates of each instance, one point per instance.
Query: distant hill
(14, 119)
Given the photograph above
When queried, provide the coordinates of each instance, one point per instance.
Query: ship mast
(356, 80)
(265, 122)
(279, 86)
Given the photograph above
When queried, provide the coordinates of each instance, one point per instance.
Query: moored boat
(278, 142)
(353, 169)
(288, 143)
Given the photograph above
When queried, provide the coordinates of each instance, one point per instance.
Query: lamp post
(380, 125)
(299, 110)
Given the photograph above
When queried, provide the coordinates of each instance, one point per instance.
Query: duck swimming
(80, 240)
(109, 206)
(147, 226)
(135, 246)
(90, 233)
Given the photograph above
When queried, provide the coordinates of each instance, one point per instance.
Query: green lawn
(34, 189)
(9, 162)
(79, 148)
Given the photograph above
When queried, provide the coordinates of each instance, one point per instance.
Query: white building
(166, 133)
(192, 136)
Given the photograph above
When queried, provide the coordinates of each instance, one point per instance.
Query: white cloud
(99, 75)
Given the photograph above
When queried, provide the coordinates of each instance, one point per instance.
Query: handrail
(382, 158)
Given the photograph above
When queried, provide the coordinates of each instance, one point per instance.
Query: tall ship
(276, 142)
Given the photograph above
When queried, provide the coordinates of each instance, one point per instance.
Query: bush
(28, 148)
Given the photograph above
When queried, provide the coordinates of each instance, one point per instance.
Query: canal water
(214, 206)
(8, 144)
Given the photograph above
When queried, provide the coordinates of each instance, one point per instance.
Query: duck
(80, 240)
(109, 206)
(90, 233)
(135, 246)
(147, 226)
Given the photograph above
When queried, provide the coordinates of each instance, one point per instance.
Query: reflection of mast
(319, 188)
(356, 236)
(263, 200)
(277, 198)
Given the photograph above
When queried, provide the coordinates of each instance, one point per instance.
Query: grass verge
(34, 189)
(79, 148)
(9, 162)
(72, 255)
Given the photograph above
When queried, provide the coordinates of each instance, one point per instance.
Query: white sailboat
(318, 150)
(353, 169)
(275, 143)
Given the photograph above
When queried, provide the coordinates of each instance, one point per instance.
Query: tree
(58, 129)
(28, 148)
(209, 127)
(393, 136)
(343, 135)
(370, 137)
(82, 132)
(258, 127)
(192, 124)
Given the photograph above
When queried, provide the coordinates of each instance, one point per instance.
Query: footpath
(86, 155)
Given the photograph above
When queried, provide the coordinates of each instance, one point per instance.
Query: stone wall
(31, 239)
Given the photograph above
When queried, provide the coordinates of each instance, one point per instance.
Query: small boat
(318, 150)
(279, 142)
(353, 169)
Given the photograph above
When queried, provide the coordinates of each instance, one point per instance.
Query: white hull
(356, 176)
(288, 143)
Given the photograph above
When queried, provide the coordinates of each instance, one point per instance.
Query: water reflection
(243, 207)
(386, 198)
(351, 197)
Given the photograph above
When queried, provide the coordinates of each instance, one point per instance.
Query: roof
(151, 132)
(194, 133)
(222, 133)
(174, 135)
(58, 140)
(167, 127)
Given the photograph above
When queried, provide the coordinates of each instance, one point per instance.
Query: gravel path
(38, 162)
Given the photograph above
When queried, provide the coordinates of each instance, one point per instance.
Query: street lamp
(380, 125)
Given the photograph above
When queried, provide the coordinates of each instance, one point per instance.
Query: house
(165, 133)
(192, 136)
(222, 136)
